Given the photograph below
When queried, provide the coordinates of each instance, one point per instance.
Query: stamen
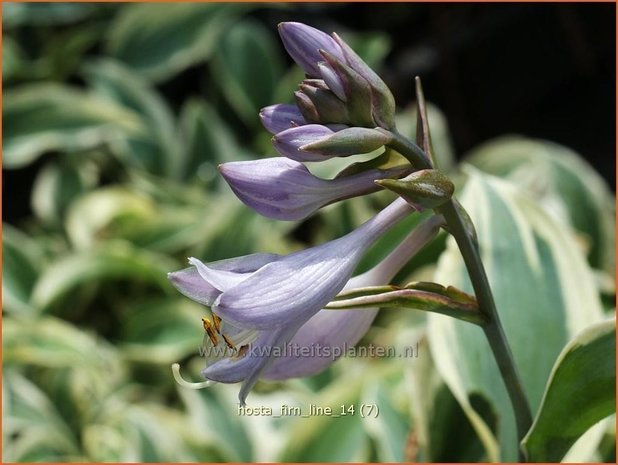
(210, 331)
(187, 384)
(228, 342)
(217, 322)
(242, 351)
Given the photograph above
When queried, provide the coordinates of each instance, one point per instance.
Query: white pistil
(187, 384)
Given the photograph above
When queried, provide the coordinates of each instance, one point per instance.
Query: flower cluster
(263, 301)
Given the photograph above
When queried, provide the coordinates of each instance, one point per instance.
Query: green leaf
(158, 150)
(56, 185)
(247, 66)
(158, 41)
(442, 430)
(162, 331)
(111, 261)
(35, 428)
(428, 297)
(40, 118)
(322, 438)
(96, 216)
(208, 141)
(544, 291)
(215, 416)
(390, 426)
(563, 183)
(22, 260)
(21, 14)
(580, 392)
(12, 59)
(53, 343)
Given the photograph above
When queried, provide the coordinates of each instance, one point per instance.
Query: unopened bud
(325, 105)
(350, 141)
(355, 87)
(383, 101)
(424, 189)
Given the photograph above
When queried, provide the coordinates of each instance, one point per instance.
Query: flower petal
(191, 284)
(249, 367)
(298, 285)
(220, 279)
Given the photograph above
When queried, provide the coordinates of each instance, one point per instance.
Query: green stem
(493, 329)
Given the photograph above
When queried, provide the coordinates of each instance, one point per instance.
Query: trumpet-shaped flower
(330, 332)
(284, 189)
(260, 301)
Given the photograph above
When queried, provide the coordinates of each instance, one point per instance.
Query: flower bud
(350, 141)
(357, 91)
(382, 98)
(279, 117)
(324, 104)
(284, 189)
(290, 141)
(302, 42)
(422, 189)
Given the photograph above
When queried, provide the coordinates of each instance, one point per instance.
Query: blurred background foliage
(115, 117)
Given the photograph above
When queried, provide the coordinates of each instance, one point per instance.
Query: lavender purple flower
(251, 297)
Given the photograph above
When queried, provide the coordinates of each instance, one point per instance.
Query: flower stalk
(493, 329)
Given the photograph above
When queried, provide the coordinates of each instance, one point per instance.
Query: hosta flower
(284, 189)
(334, 330)
(260, 301)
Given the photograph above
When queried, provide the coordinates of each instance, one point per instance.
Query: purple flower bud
(284, 189)
(302, 42)
(288, 142)
(264, 308)
(279, 117)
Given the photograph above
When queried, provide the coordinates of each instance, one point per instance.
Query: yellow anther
(211, 332)
(217, 321)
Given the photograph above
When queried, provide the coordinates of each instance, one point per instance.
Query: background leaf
(563, 183)
(39, 118)
(247, 66)
(580, 392)
(158, 41)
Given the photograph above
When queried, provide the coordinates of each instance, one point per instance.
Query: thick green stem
(493, 329)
